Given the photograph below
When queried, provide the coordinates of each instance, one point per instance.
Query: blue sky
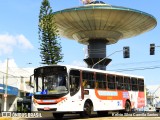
(19, 38)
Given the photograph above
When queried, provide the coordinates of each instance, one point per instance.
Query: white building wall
(11, 103)
(16, 78)
(154, 90)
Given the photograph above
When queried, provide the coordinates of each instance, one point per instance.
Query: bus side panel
(141, 99)
(111, 100)
(117, 99)
(137, 99)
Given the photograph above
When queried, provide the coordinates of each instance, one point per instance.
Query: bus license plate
(46, 108)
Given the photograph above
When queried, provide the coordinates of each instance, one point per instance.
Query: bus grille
(53, 109)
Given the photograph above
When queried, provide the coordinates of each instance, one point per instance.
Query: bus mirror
(31, 82)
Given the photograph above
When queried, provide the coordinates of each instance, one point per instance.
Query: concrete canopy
(102, 21)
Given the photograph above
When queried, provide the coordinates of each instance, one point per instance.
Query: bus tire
(58, 116)
(127, 107)
(87, 110)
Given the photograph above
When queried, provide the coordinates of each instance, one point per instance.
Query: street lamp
(126, 54)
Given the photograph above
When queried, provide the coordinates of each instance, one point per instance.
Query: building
(13, 86)
(153, 96)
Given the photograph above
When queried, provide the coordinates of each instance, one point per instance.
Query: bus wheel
(87, 110)
(58, 116)
(127, 107)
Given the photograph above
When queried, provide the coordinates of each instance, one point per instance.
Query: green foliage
(48, 35)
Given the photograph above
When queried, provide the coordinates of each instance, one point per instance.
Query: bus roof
(95, 70)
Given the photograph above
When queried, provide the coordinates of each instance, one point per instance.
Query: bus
(65, 89)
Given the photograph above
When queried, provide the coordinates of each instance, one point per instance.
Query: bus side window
(119, 81)
(88, 80)
(85, 84)
(127, 84)
(111, 82)
(134, 84)
(141, 84)
(100, 81)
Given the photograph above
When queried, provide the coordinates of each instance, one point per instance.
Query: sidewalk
(3, 118)
(10, 118)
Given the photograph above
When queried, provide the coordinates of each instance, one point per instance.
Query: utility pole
(6, 88)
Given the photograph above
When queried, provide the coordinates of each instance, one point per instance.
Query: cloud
(14, 72)
(23, 42)
(11, 64)
(9, 42)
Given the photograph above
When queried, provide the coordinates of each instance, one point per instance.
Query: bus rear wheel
(88, 108)
(127, 107)
(58, 116)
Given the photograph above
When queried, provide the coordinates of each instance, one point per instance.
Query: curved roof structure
(102, 21)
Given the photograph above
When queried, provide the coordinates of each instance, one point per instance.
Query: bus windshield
(50, 82)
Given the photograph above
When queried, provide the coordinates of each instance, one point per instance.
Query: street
(115, 116)
(92, 118)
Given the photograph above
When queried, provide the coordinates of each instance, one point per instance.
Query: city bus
(65, 89)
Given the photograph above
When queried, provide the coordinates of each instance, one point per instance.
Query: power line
(143, 62)
(13, 75)
(138, 68)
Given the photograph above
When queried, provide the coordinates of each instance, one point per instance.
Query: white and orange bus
(69, 89)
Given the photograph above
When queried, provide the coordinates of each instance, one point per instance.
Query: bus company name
(108, 93)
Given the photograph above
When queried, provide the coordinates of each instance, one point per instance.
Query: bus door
(74, 78)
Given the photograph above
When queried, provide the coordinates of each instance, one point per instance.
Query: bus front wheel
(87, 110)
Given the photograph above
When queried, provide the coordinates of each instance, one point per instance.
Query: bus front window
(55, 84)
(52, 84)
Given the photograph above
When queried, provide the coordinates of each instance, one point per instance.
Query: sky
(20, 44)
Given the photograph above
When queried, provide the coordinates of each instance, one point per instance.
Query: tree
(50, 48)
